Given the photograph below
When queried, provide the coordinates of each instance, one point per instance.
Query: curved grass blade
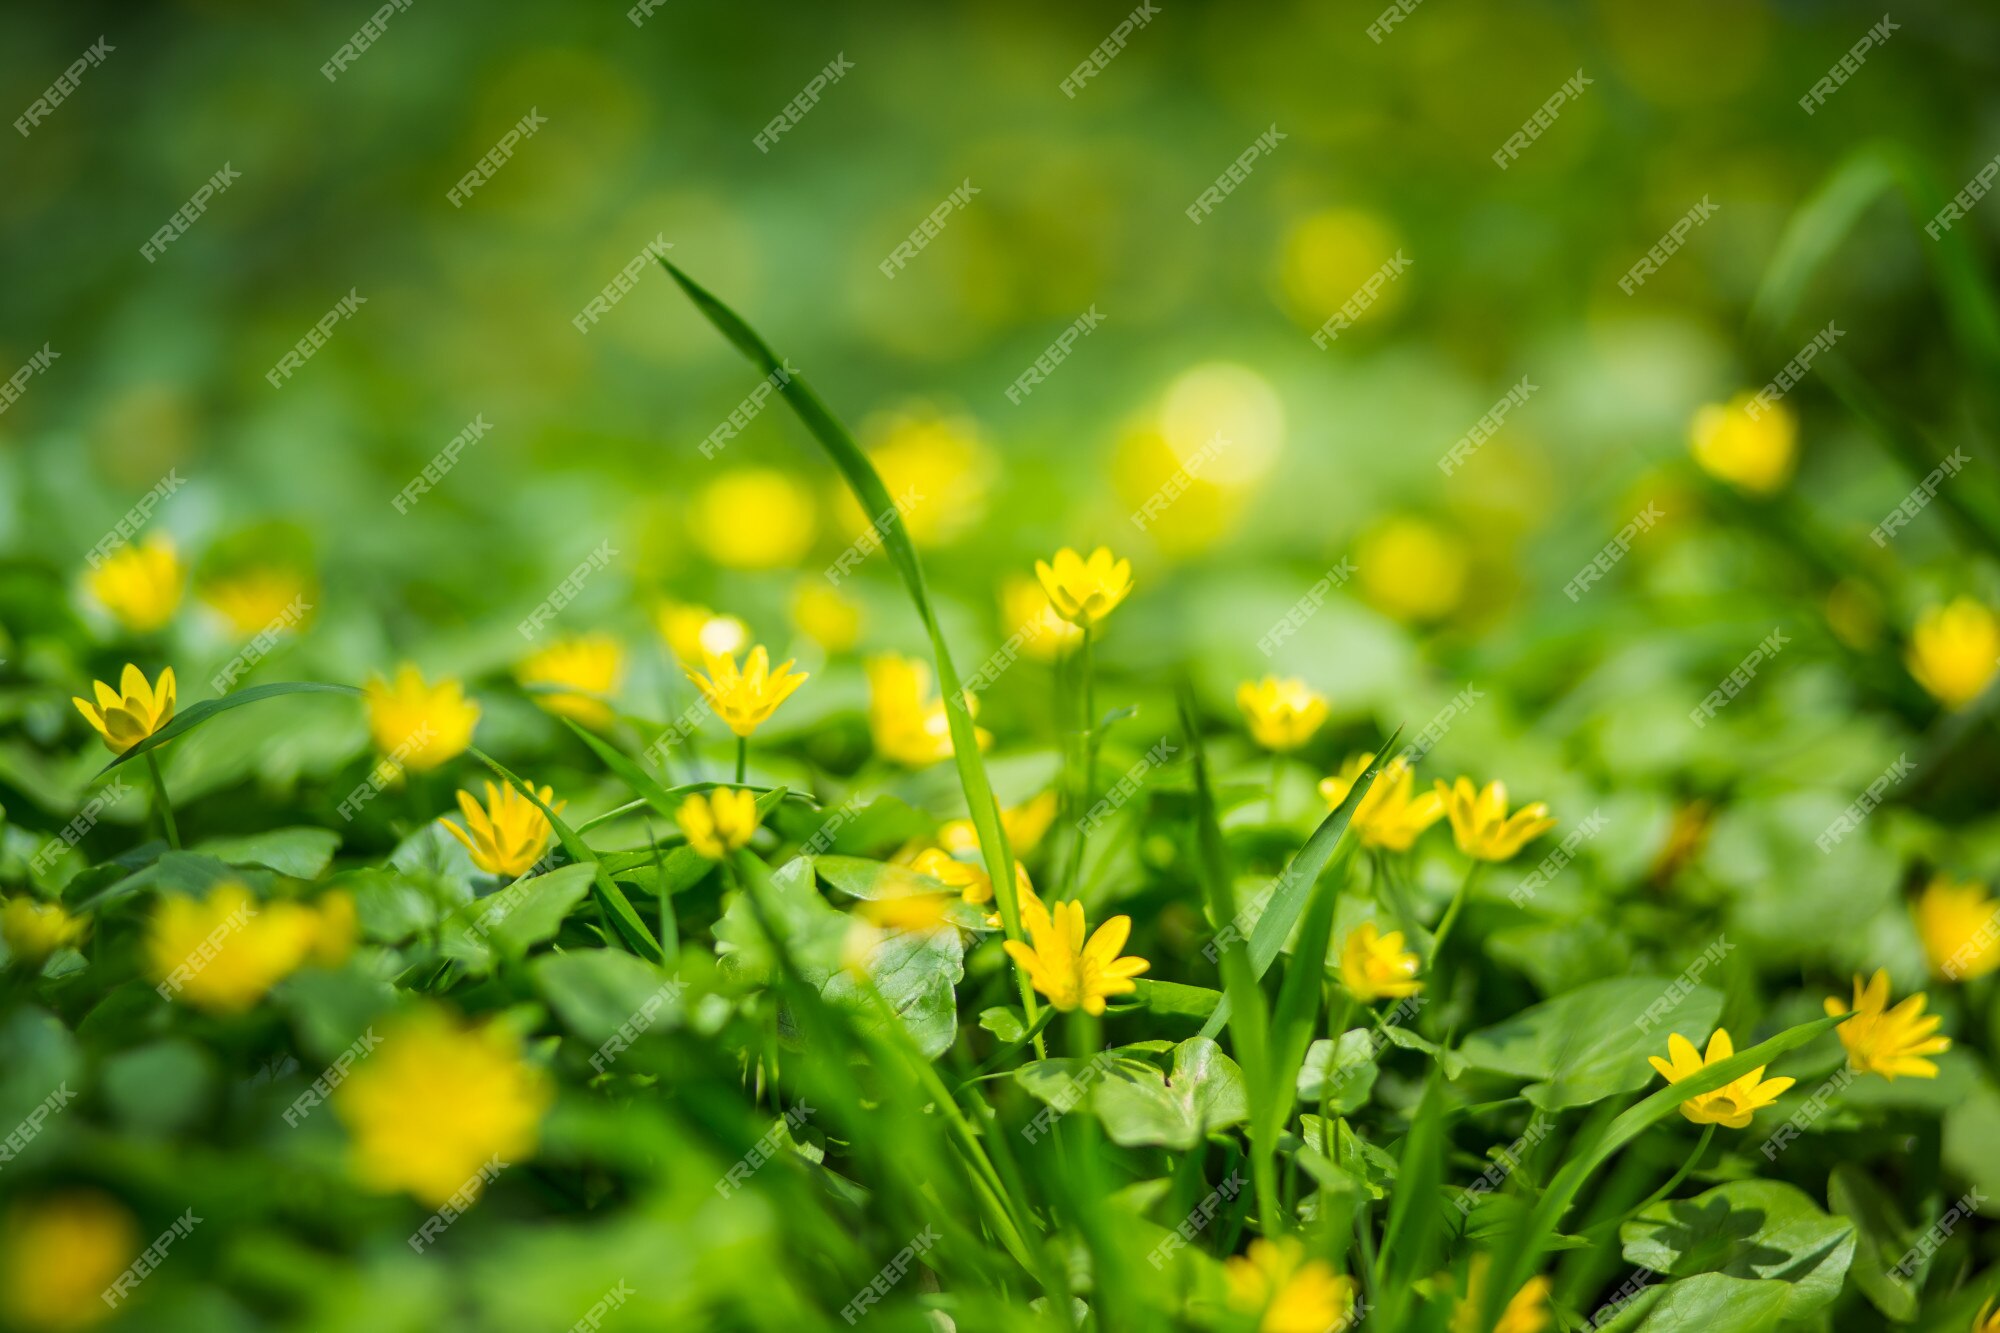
(196, 714)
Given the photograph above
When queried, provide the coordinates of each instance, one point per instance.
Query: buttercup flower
(510, 834)
(1751, 448)
(591, 664)
(255, 600)
(1025, 826)
(139, 584)
(1283, 713)
(441, 1106)
(34, 930)
(719, 821)
(61, 1254)
(1959, 925)
(1027, 614)
(1389, 816)
(223, 952)
(1481, 826)
(693, 632)
(1296, 1294)
(974, 885)
(1730, 1105)
(1885, 1041)
(1527, 1311)
(1413, 570)
(417, 725)
(745, 699)
(1082, 591)
(1071, 973)
(754, 518)
(909, 727)
(1374, 966)
(132, 712)
(826, 615)
(1954, 651)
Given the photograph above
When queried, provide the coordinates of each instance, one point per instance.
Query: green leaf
(917, 974)
(1711, 1303)
(1004, 1022)
(523, 914)
(1341, 1072)
(859, 877)
(1747, 1229)
(595, 992)
(1591, 1043)
(1202, 1093)
(158, 1088)
(1881, 1238)
(194, 715)
(1170, 997)
(302, 853)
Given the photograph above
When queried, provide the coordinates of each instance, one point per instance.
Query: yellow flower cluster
(223, 953)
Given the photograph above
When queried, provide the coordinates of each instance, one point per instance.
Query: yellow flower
(1481, 826)
(1960, 927)
(719, 822)
(1750, 446)
(907, 911)
(1082, 591)
(1390, 816)
(974, 885)
(510, 834)
(140, 584)
(1025, 826)
(35, 930)
(61, 1255)
(746, 699)
(1527, 1312)
(132, 712)
(754, 518)
(591, 664)
(440, 1106)
(1296, 1294)
(1732, 1104)
(338, 926)
(1027, 614)
(909, 727)
(1374, 966)
(936, 459)
(1986, 1321)
(1072, 973)
(693, 632)
(1283, 714)
(255, 600)
(1413, 570)
(1954, 651)
(826, 615)
(1885, 1041)
(416, 725)
(223, 952)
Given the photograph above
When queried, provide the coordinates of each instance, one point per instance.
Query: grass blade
(196, 714)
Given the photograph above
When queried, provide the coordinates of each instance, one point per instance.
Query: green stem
(1084, 780)
(1033, 1034)
(160, 799)
(1277, 775)
(1451, 913)
(742, 757)
(1700, 1147)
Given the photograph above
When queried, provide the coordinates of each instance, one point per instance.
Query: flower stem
(1451, 913)
(1277, 775)
(1700, 1147)
(1084, 780)
(742, 757)
(160, 799)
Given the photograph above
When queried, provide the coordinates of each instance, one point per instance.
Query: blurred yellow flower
(132, 712)
(1025, 825)
(1954, 651)
(61, 1253)
(939, 461)
(974, 885)
(1073, 973)
(139, 584)
(257, 599)
(1177, 501)
(908, 726)
(826, 615)
(907, 911)
(417, 725)
(1027, 614)
(1748, 444)
(745, 698)
(590, 664)
(1283, 713)
(1327, 256)
(719, 821)
(1527, 1310)
(1389, 816)
(222, 953)
(441, 1106)
(754, 518)
(1730, 1105)
(1885, 1041)
(1295, 1294)
(1481, 826)
(34, 930)
(693, 632)
(1959, 924)
(1413, 569)
(510, 834)
(338, 926)
(1082, 591)
(1986, 1321)
(1374, 966)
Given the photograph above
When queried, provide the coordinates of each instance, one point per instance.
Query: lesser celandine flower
(754, 518)
(222, 953)
(1527, 1310)
(908, 726)
(693, 632)
(35, 930)
(589, 664)
(139, 584)
(1390, 816)
(1959, 925)
(418, 725)
(1481, 826)
(1029, 616)
(1731, 1105)
(509, 834)
(744, 698)
(826, 615)
(1374, 966)
(437, 1102)
(974, 885)
(719, 821)
(135, 710)
(61, 1255)
(1413, 569)
(1954, 651)
(1890, 1042)
(1025, 826)
(1748, 444)
(1085, 591)
(1283, 713)
(261, 598)
(1073, 973)
(1294, 1293)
